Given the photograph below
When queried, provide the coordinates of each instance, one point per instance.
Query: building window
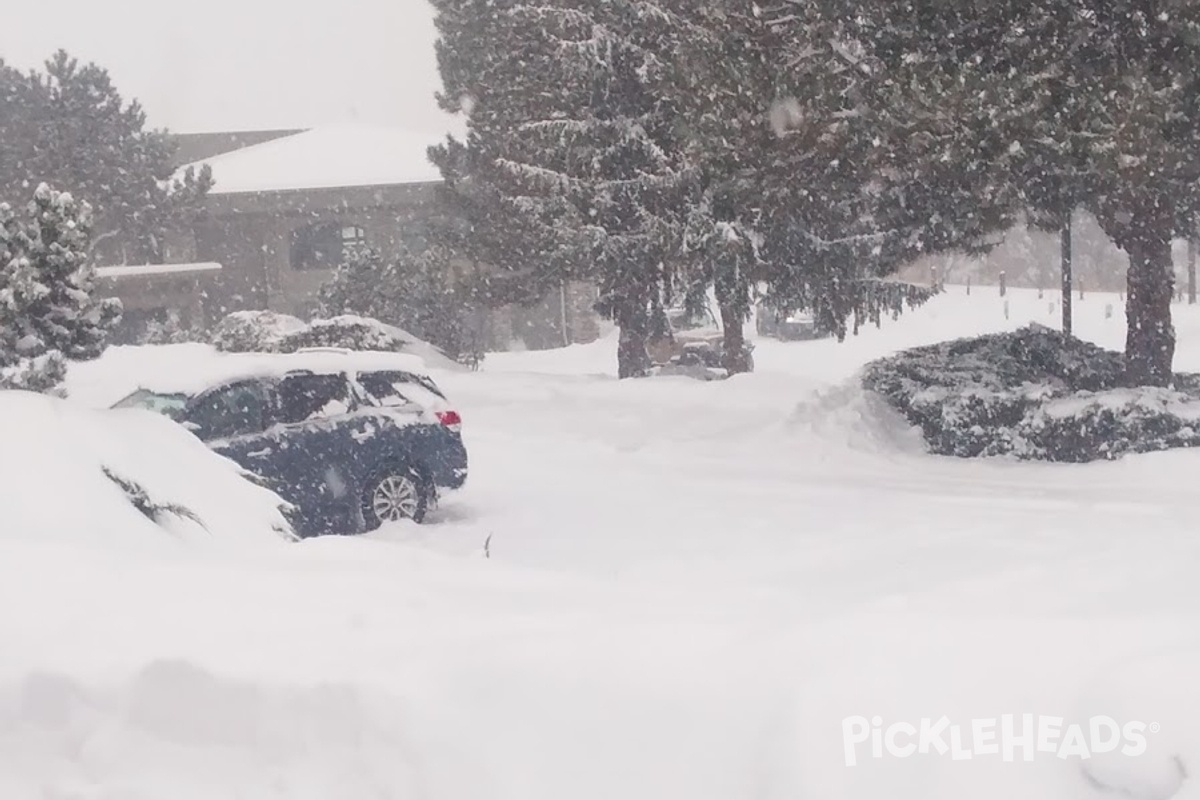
(324, 245)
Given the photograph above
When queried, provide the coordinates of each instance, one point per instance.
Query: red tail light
(451, 420)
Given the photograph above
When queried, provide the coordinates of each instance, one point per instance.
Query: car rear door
(312, 448)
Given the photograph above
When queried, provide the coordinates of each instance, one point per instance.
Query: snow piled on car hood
(78, 475)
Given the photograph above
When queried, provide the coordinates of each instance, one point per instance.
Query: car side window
(235, 410)
(302, 398)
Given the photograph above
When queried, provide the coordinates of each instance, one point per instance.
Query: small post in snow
(1003, 283)
(562, 308)
(1065, 238)
(1191, 268)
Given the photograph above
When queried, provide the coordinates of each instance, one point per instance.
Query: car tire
(394, 493)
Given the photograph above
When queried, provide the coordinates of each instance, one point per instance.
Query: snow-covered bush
(169, 329)
(40, 373)
(1035, 394)
(269, 332)
(349, 332)
(1089, 426)
(254, 331)
(48, 305)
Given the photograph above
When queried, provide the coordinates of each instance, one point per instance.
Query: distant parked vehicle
(350, 440)
(793, 326)
(696, 346)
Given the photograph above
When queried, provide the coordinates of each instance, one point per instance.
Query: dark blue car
(348, 446)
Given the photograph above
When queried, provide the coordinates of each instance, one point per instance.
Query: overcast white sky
(204, 65)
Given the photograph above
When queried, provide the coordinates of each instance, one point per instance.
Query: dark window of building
(324, 245)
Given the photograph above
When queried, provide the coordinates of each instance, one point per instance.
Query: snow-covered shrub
(147, 506)
(49, 310)
(42, 373)
(1089, 426)
(269, 332)
(254, 331)
(349, 332)
(1036, 394)
(169, 329)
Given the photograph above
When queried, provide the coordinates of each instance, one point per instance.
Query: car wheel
(394, 494)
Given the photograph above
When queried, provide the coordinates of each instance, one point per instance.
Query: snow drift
(106, 476)
(654, 589)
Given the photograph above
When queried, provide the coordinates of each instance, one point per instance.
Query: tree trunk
(633, 360)
(1150, 341)
(736, 358)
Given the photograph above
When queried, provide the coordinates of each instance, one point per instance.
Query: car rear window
(400, 389)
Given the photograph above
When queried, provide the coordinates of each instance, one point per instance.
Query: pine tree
(25, 361)
(783, 133)
(515, 247)
(1092, 101)
(48, 308)
(723, 79)
(69, 126)
(570, 121)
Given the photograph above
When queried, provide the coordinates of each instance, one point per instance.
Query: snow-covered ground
(649, 589)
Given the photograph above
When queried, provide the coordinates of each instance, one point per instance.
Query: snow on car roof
(218, 368)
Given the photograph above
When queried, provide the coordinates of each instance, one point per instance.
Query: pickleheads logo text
(1011, 737)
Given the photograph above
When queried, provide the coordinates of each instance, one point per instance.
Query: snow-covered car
(696, 347)
(790, 327)
(350, 440)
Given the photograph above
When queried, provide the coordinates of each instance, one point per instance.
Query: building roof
(335, 156)
(190, 147)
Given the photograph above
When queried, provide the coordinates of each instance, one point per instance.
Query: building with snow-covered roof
(282, 211)
(285, 205)
(331, 157)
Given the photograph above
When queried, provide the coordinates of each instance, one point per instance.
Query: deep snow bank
(76, 474)
(1035, 394)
